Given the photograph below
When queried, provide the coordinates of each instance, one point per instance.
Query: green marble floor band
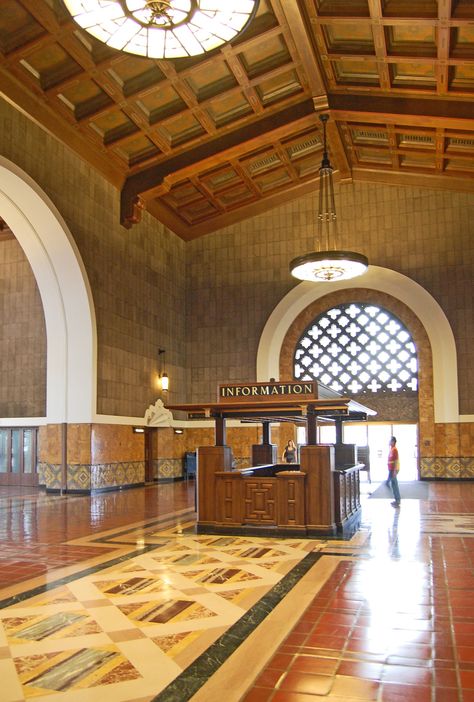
(199, 672)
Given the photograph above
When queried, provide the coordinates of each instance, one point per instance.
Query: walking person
(393, 468)
(289, 454)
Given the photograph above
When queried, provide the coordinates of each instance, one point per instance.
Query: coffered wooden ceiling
(201, 143)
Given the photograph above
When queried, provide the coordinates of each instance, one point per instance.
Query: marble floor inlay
(135, 623)
(134, 606)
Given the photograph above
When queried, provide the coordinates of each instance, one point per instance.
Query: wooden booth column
(211, 460)
(318, 464)
(266, 452)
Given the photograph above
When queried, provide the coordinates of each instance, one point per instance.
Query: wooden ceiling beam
(447, 181)
(448, 113)
(147, 179)
(268, 202)
(47, 118)
(288, 14)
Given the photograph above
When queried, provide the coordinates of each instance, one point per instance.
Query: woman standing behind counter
(289, 454)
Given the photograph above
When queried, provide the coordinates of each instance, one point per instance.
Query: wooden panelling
(228, 499)
(259, 501)
(291, 502)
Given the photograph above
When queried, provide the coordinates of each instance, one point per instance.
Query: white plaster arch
(428, 311)
(65, 293)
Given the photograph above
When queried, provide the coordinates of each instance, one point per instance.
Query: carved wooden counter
(311, 498)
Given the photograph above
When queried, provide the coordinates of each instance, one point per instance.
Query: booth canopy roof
(278, 409)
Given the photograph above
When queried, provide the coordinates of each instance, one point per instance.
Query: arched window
(357, 348)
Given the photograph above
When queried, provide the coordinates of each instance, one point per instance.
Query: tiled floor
(115, 597)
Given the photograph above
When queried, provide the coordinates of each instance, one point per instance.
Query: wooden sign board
(268, 392)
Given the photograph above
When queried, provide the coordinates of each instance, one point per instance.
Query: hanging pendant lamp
(329, 264)
(163, 29)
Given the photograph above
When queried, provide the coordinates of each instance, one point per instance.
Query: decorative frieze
(460, 468)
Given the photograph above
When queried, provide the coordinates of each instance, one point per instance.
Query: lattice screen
(357, 348)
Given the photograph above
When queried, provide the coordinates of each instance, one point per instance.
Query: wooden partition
(312, 499)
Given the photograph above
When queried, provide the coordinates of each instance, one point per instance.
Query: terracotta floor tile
(394, 692)
(281, 661)
(270, 678)
(408, 675)
(314, 665)
(361, 669)
(355, 688)
(320, 641)
(467, 679)
(445, 678)
(445, 694)
(466, 653)
(288, 696)
(258, 694)
(307, 683)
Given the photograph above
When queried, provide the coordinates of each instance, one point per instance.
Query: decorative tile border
(166, 468)
(49, 475)
(455, 468)
(107, 475)
(84, 477)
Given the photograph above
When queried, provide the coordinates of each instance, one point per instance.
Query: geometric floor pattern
(149, 610)
(135, 626)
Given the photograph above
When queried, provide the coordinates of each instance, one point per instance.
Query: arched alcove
(399, 287)
(65, 294)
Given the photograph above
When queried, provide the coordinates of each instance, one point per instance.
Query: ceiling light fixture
(330, 264)
(163, 29)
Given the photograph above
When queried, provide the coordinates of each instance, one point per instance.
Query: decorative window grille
(357, 348)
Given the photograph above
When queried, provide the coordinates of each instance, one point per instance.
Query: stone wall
(23, 337)
(137, 276)
(239, 274)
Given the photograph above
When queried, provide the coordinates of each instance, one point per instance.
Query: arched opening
(65, 294)
(422, 306)
(438, 382)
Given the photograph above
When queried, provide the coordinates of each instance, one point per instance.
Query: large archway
(422, 304)
(65, 293)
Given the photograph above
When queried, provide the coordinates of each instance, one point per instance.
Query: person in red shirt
(393, 468)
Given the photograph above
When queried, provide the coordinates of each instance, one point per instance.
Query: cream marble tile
(10, 685)
(152, 663)
(111, 619)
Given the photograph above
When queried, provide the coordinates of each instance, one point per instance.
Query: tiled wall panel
(23, 336)
(137, 276)
(239, 274)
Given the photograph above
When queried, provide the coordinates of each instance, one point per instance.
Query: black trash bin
(189, 464)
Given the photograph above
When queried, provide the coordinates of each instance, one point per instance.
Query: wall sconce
(138, 430)
(164, 380)
(178, 431)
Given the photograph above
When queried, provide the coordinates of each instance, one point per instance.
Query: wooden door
(18, 464)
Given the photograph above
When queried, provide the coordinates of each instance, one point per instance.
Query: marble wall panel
(111, 443)
(79, 443)
(466, 438)
(50, 443)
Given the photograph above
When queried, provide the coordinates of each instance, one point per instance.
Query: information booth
(319, 496)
